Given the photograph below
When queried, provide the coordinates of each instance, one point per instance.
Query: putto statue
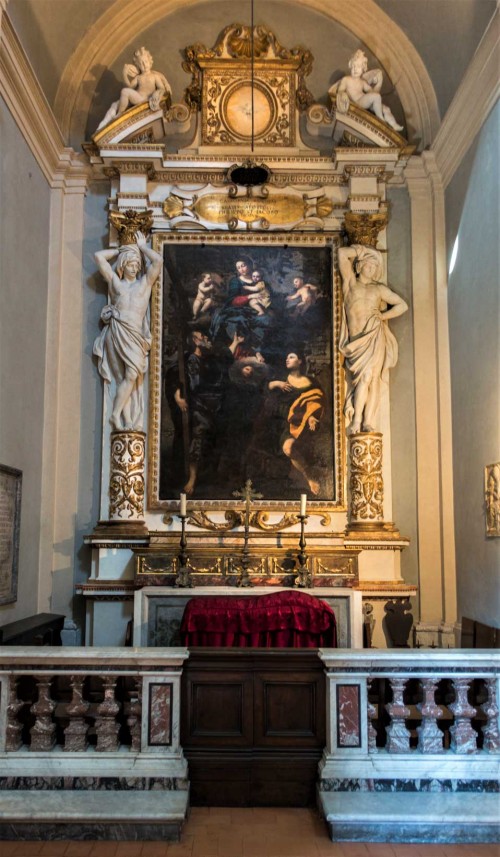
(143, 84)
(362, 87)
(368, 346)
(123, 345)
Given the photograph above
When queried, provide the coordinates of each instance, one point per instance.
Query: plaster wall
(402, 381)
(446, 34)
(24, 243)
(474, 308)
(49, 31)
(93, 300)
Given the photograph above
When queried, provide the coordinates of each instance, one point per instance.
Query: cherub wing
(129, 72)
(374, 78)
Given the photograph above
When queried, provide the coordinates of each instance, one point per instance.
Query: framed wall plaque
(10, 517)
(245, 376)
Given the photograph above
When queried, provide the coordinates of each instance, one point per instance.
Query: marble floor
(221, 832)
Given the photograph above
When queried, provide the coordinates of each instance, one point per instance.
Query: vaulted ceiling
(78, 47)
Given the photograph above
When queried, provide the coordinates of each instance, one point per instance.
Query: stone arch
(127, 19)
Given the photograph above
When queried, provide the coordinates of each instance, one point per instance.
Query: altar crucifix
(247, 494)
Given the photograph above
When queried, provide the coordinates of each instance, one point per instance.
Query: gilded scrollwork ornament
(126, 481)
(492, 499)
(366, 482)
(259, 520)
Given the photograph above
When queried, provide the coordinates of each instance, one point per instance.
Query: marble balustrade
(411, 720)
(78, 715)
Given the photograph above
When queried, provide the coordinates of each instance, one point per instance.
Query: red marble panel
(348, 715)
(160, 715)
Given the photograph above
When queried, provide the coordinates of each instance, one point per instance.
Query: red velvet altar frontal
(281, 620)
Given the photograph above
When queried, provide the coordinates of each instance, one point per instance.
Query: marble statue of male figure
(123, 345)
(368, 346)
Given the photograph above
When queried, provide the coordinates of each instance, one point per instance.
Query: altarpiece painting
(244, 369)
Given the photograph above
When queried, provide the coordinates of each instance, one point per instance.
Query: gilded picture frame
(245, 376)
(10, 522)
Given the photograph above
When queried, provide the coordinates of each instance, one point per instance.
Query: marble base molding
(131, 815)
(386, 817)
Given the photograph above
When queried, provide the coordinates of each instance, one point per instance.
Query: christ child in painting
(204, 296)
(260, 296)
(305, 293)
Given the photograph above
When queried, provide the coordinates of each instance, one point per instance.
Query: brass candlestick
(304, 577)
(183, 579)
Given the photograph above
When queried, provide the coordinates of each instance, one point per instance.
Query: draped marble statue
(362, 87)
(123, 344)
(368, 346)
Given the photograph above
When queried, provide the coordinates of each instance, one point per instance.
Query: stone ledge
(132, 815)
(411, 817)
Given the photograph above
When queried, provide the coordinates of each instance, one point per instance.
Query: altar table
(278, 620)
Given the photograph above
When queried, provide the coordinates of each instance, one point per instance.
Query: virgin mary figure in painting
(246, 308)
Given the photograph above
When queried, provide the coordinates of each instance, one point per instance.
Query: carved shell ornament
(239, 43)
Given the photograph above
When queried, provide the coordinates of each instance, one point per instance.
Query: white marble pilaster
(432, 390)
(61, 428)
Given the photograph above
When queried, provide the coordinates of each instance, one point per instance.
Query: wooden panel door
(253, 726)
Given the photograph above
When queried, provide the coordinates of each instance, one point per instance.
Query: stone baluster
(490, 708)
(398, 736)
(106, 725)
(134, 717)
(430, 737)
(463, 736)
(14, 728)
(75, 734)
(43, 733)
(372, 734)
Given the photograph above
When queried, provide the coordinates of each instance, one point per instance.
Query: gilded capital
(364, 228)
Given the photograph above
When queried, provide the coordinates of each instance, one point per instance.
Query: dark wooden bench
(43, 629)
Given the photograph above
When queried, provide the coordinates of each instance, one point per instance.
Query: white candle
(183, 505)
(303, 501)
